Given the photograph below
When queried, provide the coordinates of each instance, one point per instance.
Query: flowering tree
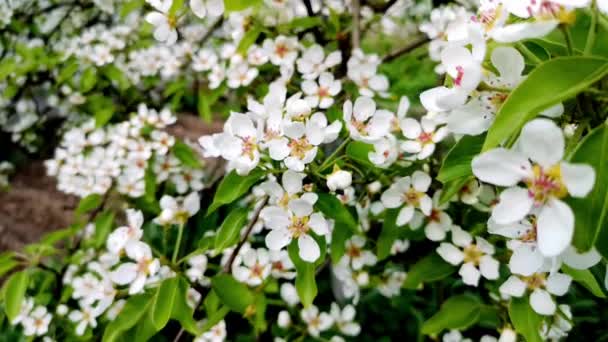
(385, 169)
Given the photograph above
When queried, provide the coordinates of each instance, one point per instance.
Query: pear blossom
(121, 236)
(559, 326)
(217, 333)
(291, 187)
(344, 319)
(548, 179)
(321, 93)
(339, 179)
(135, 273)
(197, 268)
(316, 321)
(284, 320)
(282, 266)
(439, 222)
(364, 122)
(177, 210)
(295, 223)
(313, 61)
(204, 8)
(255, 267)
(541, 286)
(421, 137)
(37, 322)
(410, 194)
(163, 21)
(282, 50)
(475, 256)
(84, 318)
(356, 255)
(391, 282)
(527, 258)
(240, 75)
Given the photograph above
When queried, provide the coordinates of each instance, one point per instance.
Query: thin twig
(216, 24)
(356, 30)
(418, 42)
(179, 335)
(379, 8)
(235, 252)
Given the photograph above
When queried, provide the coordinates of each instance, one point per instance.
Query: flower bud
(284, 319)
(339, 179)
(374, 187)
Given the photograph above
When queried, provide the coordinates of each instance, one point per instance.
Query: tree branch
(418, 42)
(356, 29)
(235, 252)
(380, 7)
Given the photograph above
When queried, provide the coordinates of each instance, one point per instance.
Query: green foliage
(186, 155)
(228, 233)
(458, 312)
(233, 294)
(525, 321)
(457, 163)
(345, 225)
(13, 293)
(88, 204)
(306, 284)
(232, 187)
(428, 269)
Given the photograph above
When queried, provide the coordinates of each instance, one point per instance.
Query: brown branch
(418, 42)
(235, 252)
(380, 7)
(315, 30)
(356, 29)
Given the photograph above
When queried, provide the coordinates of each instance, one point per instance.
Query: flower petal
(555, 228)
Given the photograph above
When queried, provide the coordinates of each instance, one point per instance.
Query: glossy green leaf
(88, 79)
(458, 312)
(452, 188)
(68, 70)
(182, 312)
(239, 5)
(233, 187)
(586, 279)
(103, 227)
(186, 154)
(428, 269)
(524, 319)
(248, 39)
(14, 293)
(457, 163)
(7, 263)
(88, 203)
(551, 82)
(590, 212)
(134, 309)
(203, 106)
(236, 295)
(162, 302)
(359, 152)
(388, 235)
(228, 233)
(306, 285)
(344, 223)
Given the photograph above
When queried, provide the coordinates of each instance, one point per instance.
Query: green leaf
(215, 318)
(345, 225)
(457, 162)
(232, 187)
(14, 293)
(203, 106)
(359, 152)
(68, 70)
(130, 6)
(525, 321)
(134, 309)
(186, 155)
(452, 187)
(590, 212)
(88, 79)
(338, 243)
(233, 294)
(228, 233)
(115, 75)
(458, 312)
(586, 279)
(550, 83)
(304, 23)
(306, 285)
(428, 269)
(388, 235)
(103, 227)
(248, 39)
(162, 302)
(182, 312)
(239, 5)
(88, 203)
(176, 6)
(7, 263)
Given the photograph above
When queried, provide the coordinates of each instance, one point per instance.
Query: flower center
(299, 226)
(323, 92)
(412, 197)
(546, 184)
(426, 138)
(353, 252)
(299, 147)
(257, 271)
(143, 265)
(459, 75)
(249, 147)
(535, 281)
(281, 50)
(472, 254)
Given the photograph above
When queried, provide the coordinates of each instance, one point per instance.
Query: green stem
(333, 155)
(180, 232)
(568, 38)
(531, 56)
(592, 29)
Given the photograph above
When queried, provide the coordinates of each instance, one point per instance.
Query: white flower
(409, 192)
(188, 179)
(391, 282)
(26, 307)
(364, 122)
(240, 75)
(163, 22)
(196, 271)
(399, 246)
(547, 180)
(321, 94)
(295, 223)
(559, 325)
(313, 62)
(365, 76)
(344, 319)
(290, 188)
(85, 317)
(339, 179)
(122, 236)
(356, 255)
(541, 287)
(282, 51)
(135, 273)
(526, 258)
(421, 137)
(37, 322)
(177, 210)
(316, 322)
(217, 333)
(289, 294)
(206, 59)
(476, 258)
(255, 267)
(282, 266)
(284, 320)
(202, 8)
(439, 221)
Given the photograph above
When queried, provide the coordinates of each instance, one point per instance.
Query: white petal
(489, 267)
(292, 182)
(277, 239)
(501, 167)
(470, 274)
(124, 274)
(578, 178)
(513, 287)
(514, 205)
(450, 253)
(405, 215)
(421, 181)
(526, 260)
(309, 249)
(581, 261)
(542, 303)
(300, 207)
(392, 198)
(542, 141)
(318, 224)
(558, 283)
(555, 228)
